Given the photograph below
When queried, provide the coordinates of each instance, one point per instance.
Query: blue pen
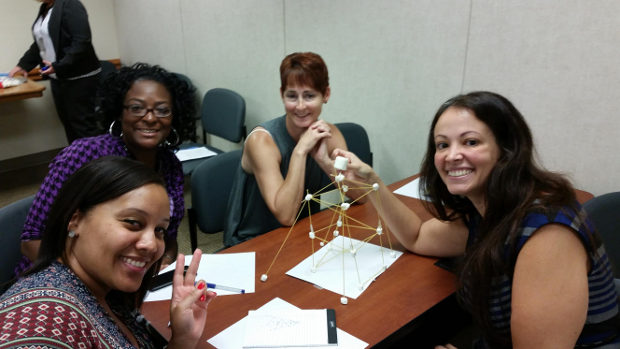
(225, 288)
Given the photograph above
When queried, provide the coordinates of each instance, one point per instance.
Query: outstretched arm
(188, 306)
(431, 238)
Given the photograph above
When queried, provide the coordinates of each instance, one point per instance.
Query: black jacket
(70, 34)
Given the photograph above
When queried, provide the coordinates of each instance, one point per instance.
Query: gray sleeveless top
(248, 214)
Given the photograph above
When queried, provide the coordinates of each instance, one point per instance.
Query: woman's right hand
(357, 170)
(18, 71)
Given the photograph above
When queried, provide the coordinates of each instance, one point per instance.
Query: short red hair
(304, 68)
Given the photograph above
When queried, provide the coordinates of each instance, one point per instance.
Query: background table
(411, 287)
(28, 89)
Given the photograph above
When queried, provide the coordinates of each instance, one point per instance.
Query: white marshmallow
(308, 197)
(263, 277)
(344, 300)
(339, 177)
(341, 163)
(345, 206)
(311, 235)
(375, 186)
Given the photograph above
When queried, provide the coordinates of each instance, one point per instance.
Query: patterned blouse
(81, 152)
(54, 309)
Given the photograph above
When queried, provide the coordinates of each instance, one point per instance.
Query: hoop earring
(111, 130)
(177, 139)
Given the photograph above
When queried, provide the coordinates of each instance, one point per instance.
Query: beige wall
(32, 126)
(392, 63)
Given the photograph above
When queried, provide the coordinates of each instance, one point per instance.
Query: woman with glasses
(148, 111)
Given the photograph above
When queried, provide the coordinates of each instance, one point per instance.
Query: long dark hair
(513, 185)
(100, 180)
(183, 95)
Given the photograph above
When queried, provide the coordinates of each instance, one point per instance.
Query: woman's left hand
(49, 68)
(188, 306)
(320, 152)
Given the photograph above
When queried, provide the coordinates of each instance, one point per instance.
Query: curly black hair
(111, 96)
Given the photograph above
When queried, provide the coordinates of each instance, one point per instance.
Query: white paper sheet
(286, 327)
(194, 153)
(411, 189)
(369, 262)
(228, 269)
(232, 337)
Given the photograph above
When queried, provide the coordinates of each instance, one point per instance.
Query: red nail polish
(201, 285)
(202, 298)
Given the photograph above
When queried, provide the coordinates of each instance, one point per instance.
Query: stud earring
(71, 234)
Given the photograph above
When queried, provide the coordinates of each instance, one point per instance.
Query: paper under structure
(229, 269)
(360, 269)
(233, 336)
(344, 253)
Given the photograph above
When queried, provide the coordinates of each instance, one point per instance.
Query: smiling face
(303, 105)
(145, 133)
(465, 154)
(118, 240)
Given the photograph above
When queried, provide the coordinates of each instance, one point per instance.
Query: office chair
(12, 218)
(222, 114)
(357, 140)
(211, 183)
(604, 212)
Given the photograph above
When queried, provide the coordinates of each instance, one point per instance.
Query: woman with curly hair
(535, 273)
(148, 112)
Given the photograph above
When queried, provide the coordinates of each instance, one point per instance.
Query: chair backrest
(604, 211)
(357, 140)
(12, 218)
(211, 183)
(223, 114)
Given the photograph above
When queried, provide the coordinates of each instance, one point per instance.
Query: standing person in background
(149, 111)
(535, 272)
(63, 49)
(284, 157)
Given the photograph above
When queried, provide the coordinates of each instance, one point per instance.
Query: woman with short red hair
(285, 156)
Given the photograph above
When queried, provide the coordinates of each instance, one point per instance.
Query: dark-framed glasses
(140, 111)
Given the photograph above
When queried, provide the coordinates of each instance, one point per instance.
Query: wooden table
(28, 89)
(410, 287)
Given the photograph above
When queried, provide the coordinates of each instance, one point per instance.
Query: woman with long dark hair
(103, 243)
(535, 273)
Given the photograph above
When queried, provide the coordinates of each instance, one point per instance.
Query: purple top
(82, 151)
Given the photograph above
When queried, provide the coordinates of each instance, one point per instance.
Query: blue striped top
(602, 319)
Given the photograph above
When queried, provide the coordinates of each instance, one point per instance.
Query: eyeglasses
(139, 111)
